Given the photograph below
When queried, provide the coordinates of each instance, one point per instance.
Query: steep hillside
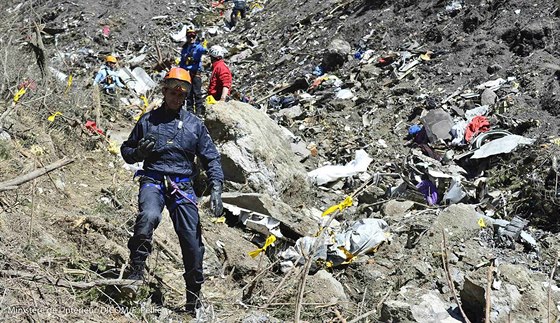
(326, 78)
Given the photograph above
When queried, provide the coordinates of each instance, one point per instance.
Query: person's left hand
(216, 204)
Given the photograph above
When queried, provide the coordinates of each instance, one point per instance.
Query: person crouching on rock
(167, 140)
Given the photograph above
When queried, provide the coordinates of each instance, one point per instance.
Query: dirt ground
(73, 224)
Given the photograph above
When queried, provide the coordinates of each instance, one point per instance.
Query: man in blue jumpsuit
(167, 140)
(191, 60)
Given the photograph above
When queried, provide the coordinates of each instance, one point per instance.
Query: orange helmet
(177, 73)
(177, 78)
(111, 59)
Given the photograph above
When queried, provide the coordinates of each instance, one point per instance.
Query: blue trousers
(186, 222)
(195, 102)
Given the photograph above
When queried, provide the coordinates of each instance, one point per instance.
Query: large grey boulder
(256, 155)
(336, 55)
(292, 225)
(232, 249)
(397, 209)
(324, 288)
(438, 125)
(517, 295)
(488, 97)
(460, 223)
(417, 305)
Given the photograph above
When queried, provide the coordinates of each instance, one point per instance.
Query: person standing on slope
(191, 60)
(239, 8)
(167, 140)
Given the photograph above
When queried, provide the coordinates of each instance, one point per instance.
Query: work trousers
(186, 221)
(195, 103)
(234, 12)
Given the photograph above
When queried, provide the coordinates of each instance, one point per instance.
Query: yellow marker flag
(54, 115)
(145, 102)
(425, 57)
(481, 223)
(19, 94)
(144, 108)
(346, 203)
(221, 219)
(177, 60)
(37, 150)
(270, 240)
(210, 100)
(69, 84)
(205, 43)
(112, 148)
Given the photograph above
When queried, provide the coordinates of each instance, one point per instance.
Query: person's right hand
(145, 147)
(216, 204)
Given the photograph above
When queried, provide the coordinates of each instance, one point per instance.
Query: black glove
(216, 199)
(145, 147)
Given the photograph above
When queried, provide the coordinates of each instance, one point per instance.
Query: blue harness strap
(173, 191)
(161, 177)
(176, 190)
(159, 186)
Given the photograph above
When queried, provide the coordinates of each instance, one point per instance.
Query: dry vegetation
(63, 235)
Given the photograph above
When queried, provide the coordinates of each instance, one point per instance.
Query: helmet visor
(177, 85)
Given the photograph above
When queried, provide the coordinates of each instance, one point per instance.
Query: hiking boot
(193, 302)
(136, 274)
(137, 271)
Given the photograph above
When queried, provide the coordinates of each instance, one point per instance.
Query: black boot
(137, 270)
(137, 273)
(193, 301)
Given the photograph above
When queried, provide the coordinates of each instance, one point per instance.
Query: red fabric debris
(219, 5)
(28, 84)
(477, 125)
(384, 61)
(106, 31)
(92, 126)
(317, 82)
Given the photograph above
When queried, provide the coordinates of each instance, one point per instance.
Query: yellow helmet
(191, 31)
(111, 59)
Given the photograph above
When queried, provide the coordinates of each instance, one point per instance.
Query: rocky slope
(340, 76)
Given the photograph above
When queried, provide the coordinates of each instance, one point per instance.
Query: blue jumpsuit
(191, 60)
(179, 138)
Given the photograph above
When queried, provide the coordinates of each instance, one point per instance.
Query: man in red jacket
(220, 80)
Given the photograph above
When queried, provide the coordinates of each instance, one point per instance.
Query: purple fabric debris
(429, 190)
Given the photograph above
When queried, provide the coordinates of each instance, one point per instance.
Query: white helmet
(217, 51)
